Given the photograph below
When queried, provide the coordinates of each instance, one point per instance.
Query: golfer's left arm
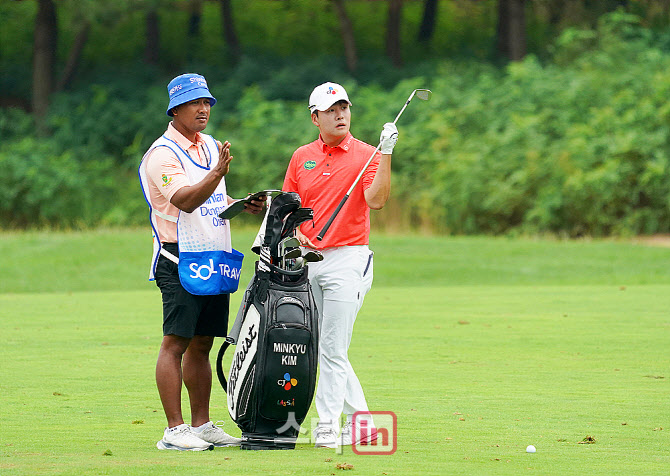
(378, 192)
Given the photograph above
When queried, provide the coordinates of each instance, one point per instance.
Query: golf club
(295, 219)
(424, 95)
(289, 248)
(312, 256)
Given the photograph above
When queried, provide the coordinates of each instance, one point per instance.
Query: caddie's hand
(255, 206)
(388, 138)
(224, 159)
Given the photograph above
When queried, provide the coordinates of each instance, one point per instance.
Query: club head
(424, 94)
(298, 264)
(312, 256)
(292, 253)
(289, 242)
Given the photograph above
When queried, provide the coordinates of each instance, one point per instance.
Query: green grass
(119, 260)
(481, 346)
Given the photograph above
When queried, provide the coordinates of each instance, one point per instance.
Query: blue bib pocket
(207, 273)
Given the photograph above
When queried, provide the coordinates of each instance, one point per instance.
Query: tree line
(571, 138)
(510, 38)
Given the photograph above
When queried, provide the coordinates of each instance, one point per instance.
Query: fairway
(480, 346)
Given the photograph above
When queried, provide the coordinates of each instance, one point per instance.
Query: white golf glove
(388, 138)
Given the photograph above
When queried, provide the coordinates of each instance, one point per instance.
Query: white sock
(201, 428)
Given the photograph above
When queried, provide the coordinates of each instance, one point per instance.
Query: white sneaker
(215, 435)
(325, 437)
(181, 438)
(346, 438)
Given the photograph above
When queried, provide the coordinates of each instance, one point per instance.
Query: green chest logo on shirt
(309, 165)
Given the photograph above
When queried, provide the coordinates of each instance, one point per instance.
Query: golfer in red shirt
(321, 173)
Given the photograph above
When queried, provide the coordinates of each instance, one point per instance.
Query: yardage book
(237, 206)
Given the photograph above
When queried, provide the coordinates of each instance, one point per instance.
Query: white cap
(325, 95)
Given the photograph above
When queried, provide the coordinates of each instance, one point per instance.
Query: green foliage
(575, 145)
(578, 147)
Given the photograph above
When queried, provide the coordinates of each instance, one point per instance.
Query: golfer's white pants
(339, 284)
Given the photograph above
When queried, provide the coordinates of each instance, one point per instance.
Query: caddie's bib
(207, 262)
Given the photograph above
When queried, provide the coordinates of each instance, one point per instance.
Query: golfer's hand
(224, 159)
(388, 138)
(255, 206)
(304, 241)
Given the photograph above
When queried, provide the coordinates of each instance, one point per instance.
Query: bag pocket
(206, 273)
(286, 383)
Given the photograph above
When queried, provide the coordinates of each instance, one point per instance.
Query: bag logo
(310, 164)
(197, 270)
(287, 382)
(238, 364)
(224, 269)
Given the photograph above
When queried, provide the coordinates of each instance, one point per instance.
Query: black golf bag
(273, 372)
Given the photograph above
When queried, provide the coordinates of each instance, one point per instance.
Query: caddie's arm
(379, 191)
(192, 196)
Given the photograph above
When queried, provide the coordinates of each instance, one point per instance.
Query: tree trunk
(194, 21)
(511, 35)
(75, 56)
(347, 32)
(427, 27)
(229, 34)
(152, 38)
(393, 32)
(195, 15)
(44, 59)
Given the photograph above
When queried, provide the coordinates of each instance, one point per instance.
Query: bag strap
(219, 365)
(234, 333)
(169, 255)
(165, 216)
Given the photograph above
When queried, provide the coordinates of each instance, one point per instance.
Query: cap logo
(175, 89)
(331, 90)
(201, 82)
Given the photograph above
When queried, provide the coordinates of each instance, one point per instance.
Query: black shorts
(185, 314)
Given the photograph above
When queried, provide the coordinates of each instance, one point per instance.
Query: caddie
(321, 172)
(193, 263)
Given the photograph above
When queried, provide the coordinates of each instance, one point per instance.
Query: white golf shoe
(325, 437)
(215, 435)
(347, 436)
(181, 438)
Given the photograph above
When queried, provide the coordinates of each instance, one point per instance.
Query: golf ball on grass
(530, 449)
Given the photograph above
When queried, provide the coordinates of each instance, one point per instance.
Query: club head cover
(295, 219)
(280, 207)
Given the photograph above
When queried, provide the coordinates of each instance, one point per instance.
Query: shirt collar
(345, 145)
(182, 141)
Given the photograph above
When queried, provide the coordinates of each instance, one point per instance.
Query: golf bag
(273, 372)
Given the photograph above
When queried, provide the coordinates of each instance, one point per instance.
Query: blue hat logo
(188, 87)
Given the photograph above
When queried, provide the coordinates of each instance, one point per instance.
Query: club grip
(323, 231)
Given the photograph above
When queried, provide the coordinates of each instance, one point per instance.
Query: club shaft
(403, 108)
(323, 231)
